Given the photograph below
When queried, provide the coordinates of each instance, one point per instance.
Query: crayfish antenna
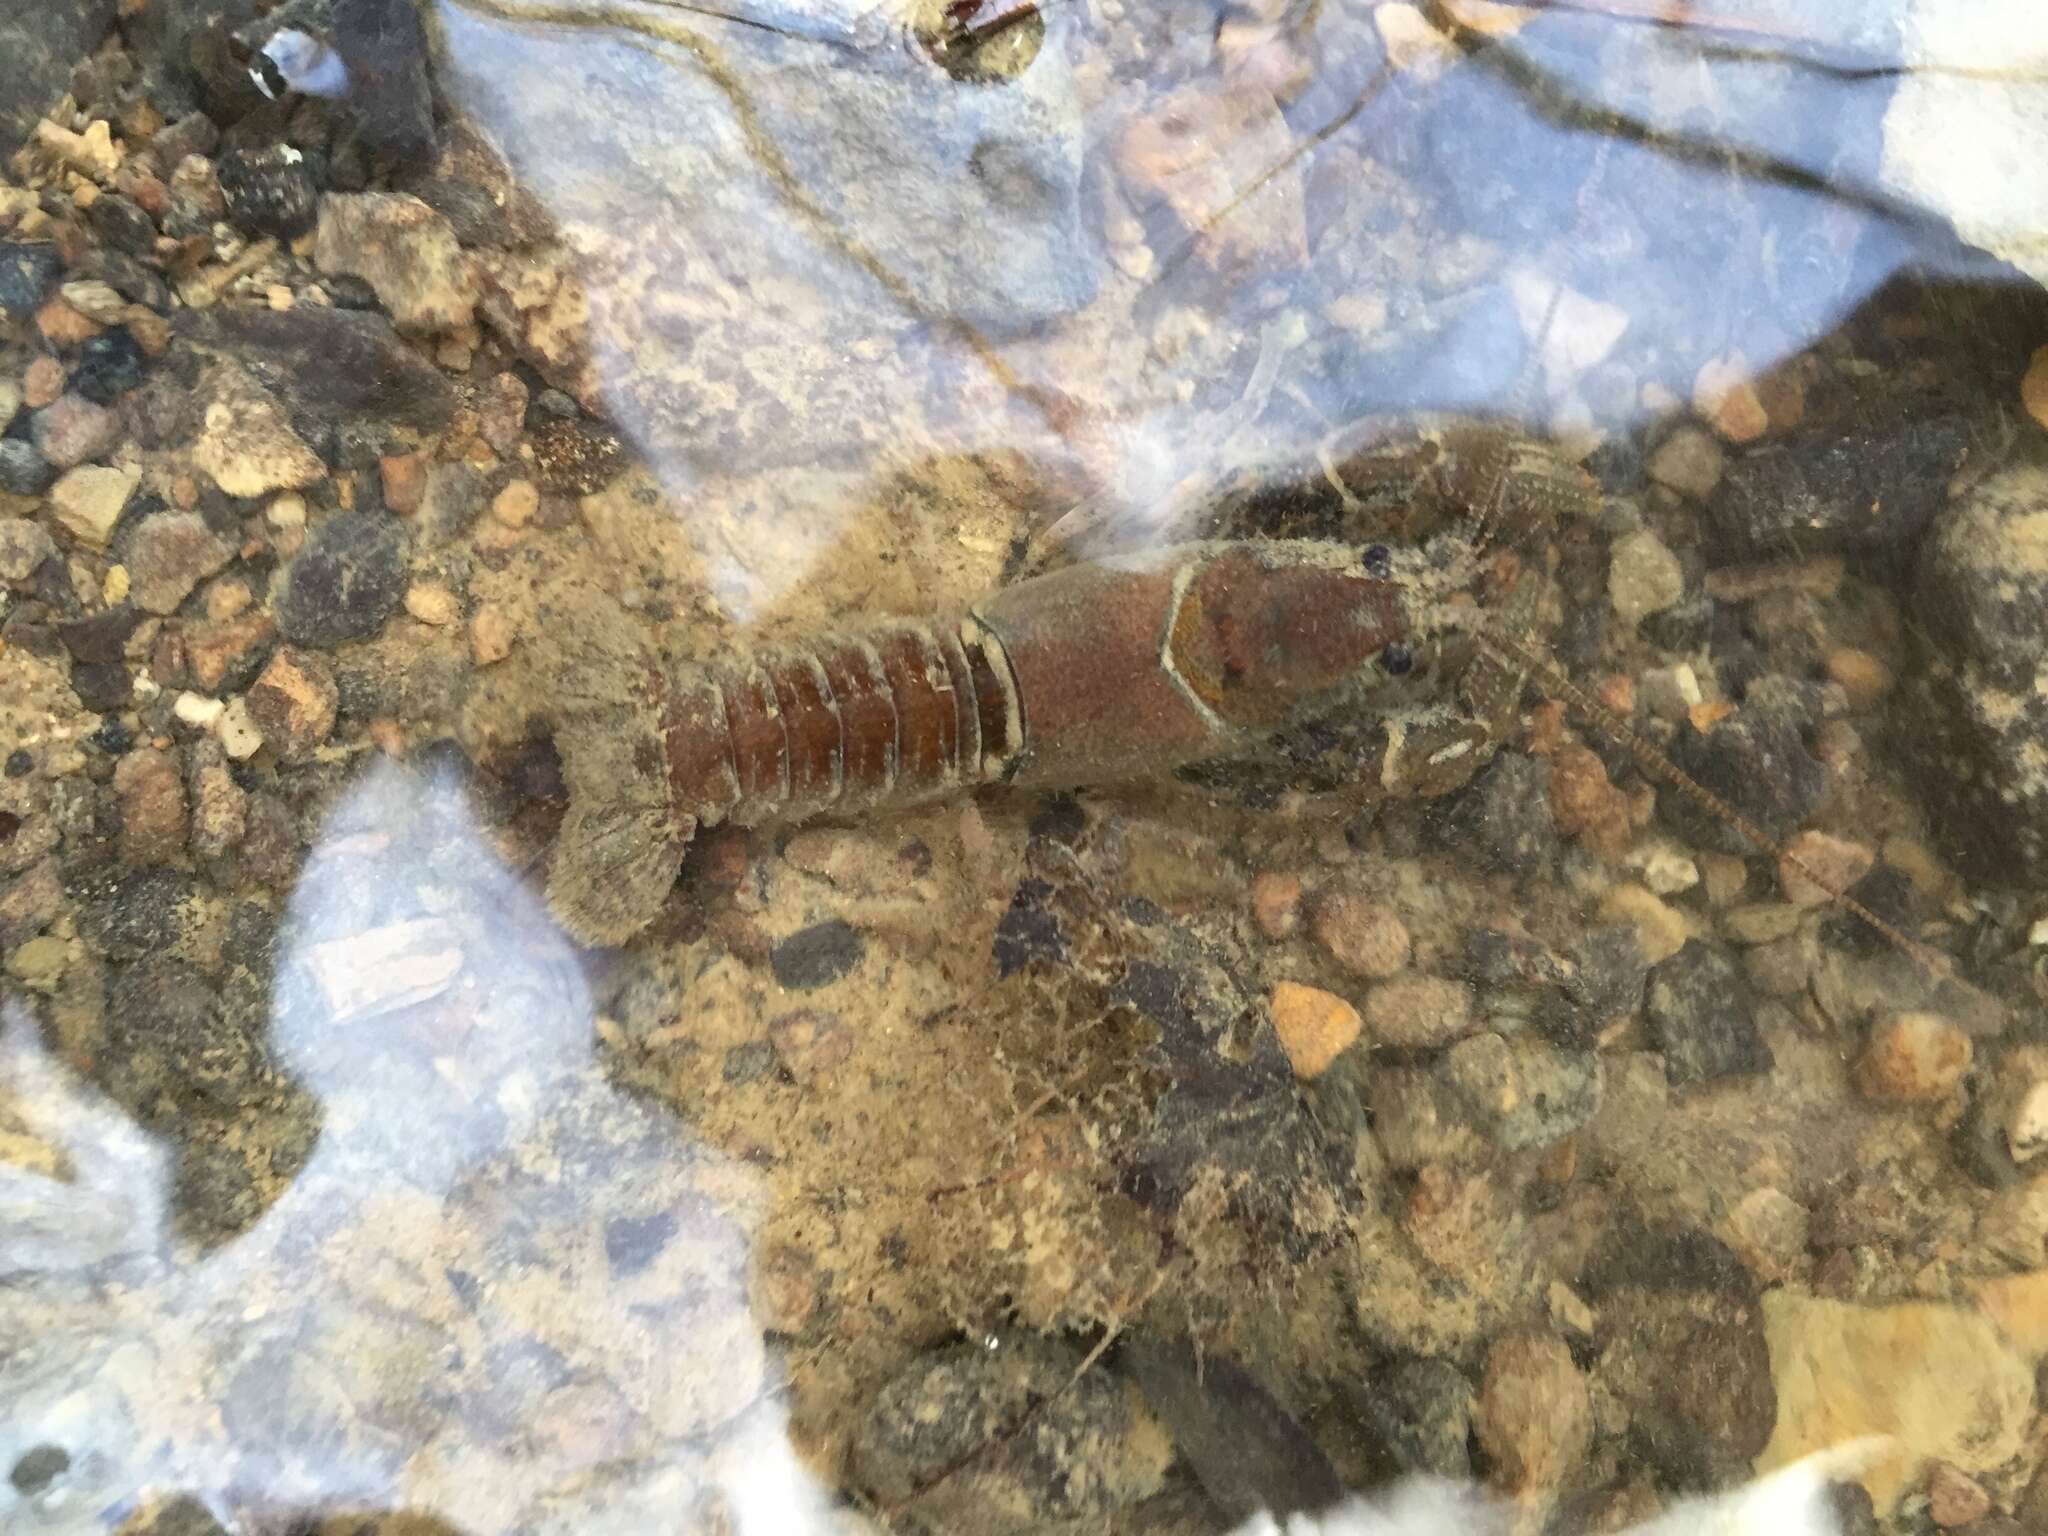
(1660, 767)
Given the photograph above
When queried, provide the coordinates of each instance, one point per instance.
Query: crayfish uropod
(1096, 673)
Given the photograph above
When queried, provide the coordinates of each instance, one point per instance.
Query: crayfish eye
(1398, 660)
(1378, 563)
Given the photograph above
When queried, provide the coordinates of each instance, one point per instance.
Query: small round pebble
(1689, 461)
(1643, 577)
(72, 429)
(818, 955)
(490, 635)
(1725, 395)
(1276, 904)
(1954, 1498)
(1815, 866)
(1767, 1229)
(810, 1042)
(1913, 1057)
(1660, 928)
(42, 382)
(432, 603)
(404, 478)
(516, 504)
(1360, 934)
(1862, 676)
(23, 470)
(1315, 1027)
(171, 554)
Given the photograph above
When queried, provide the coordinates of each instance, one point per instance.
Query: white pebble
(196, 709)
(1670, 692)
(239, 737)
(1666, 868)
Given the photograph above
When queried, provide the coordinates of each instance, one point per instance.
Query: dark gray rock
(1681, 1342)
(1854, 492)
(747, 1061)
(192, 134)
(1523, 1093)
(109, 365)
(388, 106)
(1756, 761)
(818, 955)
(127, 277)
(24, 471)
(121, 222)
(1419, 1414)
(1502, 817)
(99, 638)
(168, 1038)
(1702, 1015)
(1972, 719)
(1606, 983)
(38, 1467)
(1006, 1439)
(345, 368)
(129, 915)
(40, 45)
(455, 497)
(272, 190)
(27, 272)
(104, 688)
(187, 63)
(1247, 1451)
(347, 580)
(1029, 930)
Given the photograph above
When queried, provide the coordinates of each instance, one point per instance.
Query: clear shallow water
(1426, 1087)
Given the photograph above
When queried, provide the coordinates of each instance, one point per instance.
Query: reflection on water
(1166, 249)
(1585, 1061)
(500, 1292)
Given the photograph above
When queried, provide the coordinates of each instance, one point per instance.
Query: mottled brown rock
(1364, 936)
(151, 789)
(171, 554)
(1913, 1058)
(1419, 1012)
(294, 702)
(1586, 804)
(1276, 904)
(218, 655)
(1954, 1498)
(491, 634)
(220, 806)
(1534, 1415)
(405, 251)
(404, 477)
